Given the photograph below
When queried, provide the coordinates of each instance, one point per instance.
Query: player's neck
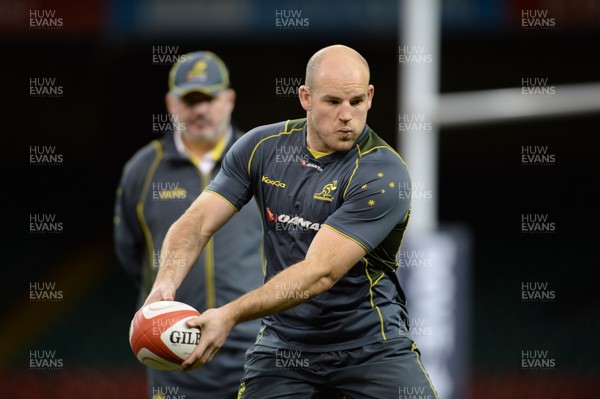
(318, 149)
(200, 148)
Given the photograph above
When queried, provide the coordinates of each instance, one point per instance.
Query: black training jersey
(355, 193)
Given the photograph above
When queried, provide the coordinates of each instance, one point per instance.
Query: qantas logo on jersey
(285, 222)
(276, 183)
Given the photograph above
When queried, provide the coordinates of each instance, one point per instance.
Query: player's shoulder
(275, 129)
(267, 134)
(379, 171)
(373, 150)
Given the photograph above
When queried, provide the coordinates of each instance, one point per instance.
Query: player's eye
(194, 98)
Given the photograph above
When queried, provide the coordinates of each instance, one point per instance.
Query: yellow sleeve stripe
(225, 199)
(347, 236)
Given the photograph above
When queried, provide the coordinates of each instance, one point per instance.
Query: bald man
(334, 318)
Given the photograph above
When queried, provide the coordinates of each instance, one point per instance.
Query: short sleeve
(372, 205)
(233, 182)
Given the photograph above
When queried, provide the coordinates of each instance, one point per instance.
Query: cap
(201, 71)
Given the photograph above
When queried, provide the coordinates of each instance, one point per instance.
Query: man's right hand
(161, 292)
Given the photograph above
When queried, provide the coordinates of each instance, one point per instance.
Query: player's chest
(309, 193)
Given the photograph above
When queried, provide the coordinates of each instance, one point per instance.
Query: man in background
(158, 184)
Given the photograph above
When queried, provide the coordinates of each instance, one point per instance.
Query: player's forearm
(185, 240)
(182, 246)
(287, 289)
(329, 257)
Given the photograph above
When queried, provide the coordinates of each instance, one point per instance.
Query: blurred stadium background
(100, 58)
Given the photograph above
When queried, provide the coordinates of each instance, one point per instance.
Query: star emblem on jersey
(380, 174)
(371, 202)
(392, 184)
(325, 193)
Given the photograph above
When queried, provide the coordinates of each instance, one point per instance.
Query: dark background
(103, 59)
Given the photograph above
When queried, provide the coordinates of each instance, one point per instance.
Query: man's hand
(164, 291)
(215, 325)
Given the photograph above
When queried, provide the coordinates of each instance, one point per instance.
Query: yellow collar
(318, 154)
(208, 160)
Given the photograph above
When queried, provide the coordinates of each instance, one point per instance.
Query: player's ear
(370, 95)
(305, 97)
(171, 103)
(230, 97)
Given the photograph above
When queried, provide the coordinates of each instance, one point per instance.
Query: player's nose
(200, 107)
(345, 114)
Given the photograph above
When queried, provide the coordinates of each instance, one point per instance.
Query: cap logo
(198, 71)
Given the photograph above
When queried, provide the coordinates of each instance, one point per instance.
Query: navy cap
(201, 71)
